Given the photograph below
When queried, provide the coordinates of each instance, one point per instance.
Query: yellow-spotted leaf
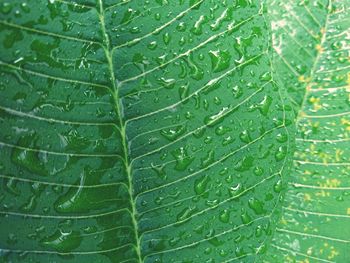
(316, 211)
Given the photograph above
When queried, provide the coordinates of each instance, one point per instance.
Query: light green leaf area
(139, 131)
(297, 28)
(316, 210)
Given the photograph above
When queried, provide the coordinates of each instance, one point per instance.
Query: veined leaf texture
(174, 131)
(316, 210)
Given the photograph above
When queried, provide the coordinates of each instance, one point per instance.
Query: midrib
(315, 64)
(115, 93)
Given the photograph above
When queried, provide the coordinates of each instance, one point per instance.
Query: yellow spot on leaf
(323, 193)
(313, 149)
(302, 114)
(283, 221)
(316, 124)
(333, 253)
(338, 154)
(346, 123)
(304, 79)
(314, 100)
(316, 103)
(319, 48)
(331, 183)
(307, 197)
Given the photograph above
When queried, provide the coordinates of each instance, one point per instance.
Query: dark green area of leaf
(139, 131)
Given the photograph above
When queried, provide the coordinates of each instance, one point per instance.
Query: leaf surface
(316, 215)
(139, 131)
(297, 28)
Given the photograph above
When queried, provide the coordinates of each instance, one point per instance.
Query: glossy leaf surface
(316, 210)
(139, 131)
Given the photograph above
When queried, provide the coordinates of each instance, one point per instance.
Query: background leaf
(316, 215)
(139, 131)
(297, 28)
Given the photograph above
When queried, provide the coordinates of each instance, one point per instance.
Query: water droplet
(256, 205)
(220, 60)
(208, 160)
(224, 216)
(183, 160)
(173, 133)
(62, 241)
(281, 153)
(200, 185)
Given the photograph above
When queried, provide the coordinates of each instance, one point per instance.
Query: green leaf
(297, 28)
(316, 210)
(139, 131)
